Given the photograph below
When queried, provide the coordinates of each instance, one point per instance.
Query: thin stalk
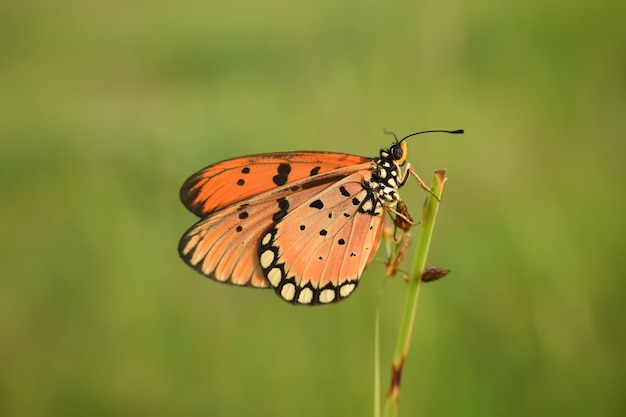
(429, 215)
(377, 364)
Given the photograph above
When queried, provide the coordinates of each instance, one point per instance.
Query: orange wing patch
(234, 180)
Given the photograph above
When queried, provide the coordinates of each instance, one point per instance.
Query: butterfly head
(399, 151)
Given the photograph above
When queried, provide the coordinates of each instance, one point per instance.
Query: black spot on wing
(315, 171)
(283, 174)
(318, 204)
(344, 192)
(240, 181)
(243, 215)
(283, 206)
(246, 170)
(323, 232)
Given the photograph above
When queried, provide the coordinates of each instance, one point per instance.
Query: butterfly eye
(398, 152)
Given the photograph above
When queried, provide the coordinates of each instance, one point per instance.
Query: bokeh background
(106, 107)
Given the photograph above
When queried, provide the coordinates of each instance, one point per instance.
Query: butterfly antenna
(389, 132)
(454, 132)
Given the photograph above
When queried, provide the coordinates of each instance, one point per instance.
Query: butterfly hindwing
(224, 183)
(223, 246)
(317, 252)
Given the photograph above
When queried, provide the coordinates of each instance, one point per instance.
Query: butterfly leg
(397, 255)
(403, 219)
(409, 171)
(397, 246)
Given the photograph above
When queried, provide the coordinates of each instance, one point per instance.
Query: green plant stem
(429, 215)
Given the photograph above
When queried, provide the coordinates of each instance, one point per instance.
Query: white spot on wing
(288, 291)
(274, 276)
(346, 289)
(327, 296)
(266, 238)
(267, 258)
(306, 296)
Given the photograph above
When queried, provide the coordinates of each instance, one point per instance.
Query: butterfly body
(303, 223)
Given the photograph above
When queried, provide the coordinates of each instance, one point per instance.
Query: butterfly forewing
(224, 183)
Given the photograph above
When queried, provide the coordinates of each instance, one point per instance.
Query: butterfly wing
(224, 183)
(224, 245)
(318, 251)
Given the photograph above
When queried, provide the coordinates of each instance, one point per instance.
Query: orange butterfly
(304, 223)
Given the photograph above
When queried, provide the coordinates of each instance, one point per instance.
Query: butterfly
(303, 223)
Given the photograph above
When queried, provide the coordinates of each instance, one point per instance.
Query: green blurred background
(106, 108)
